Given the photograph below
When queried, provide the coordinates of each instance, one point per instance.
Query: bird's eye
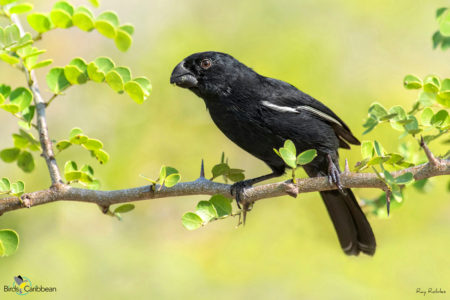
(205, 63)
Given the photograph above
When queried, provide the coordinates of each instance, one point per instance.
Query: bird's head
(208, 73)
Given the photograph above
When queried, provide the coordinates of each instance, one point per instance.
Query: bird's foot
(238, 191)
(334, 175)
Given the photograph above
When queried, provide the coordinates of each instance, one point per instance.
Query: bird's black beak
(182, 77)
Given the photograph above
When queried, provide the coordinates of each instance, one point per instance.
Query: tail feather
(353, 230)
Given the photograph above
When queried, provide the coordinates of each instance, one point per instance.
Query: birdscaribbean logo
(22, 286)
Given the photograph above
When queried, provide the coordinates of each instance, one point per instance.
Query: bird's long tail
(352, 228)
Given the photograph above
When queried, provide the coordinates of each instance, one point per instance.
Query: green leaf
(420, 184)
(377, 160)
(413, 126)
(2, 99)
(12, 108)
(377, 110)
(25, 161)
(288, 144)
(114, 80)
(11, 34)
(412, 82)
(10, 242)
(129, 28)
(439, 118)
(17, 188)
(405, 178)
(61, 18)
(306, 157)
(39, 22)
(110, 17)
(9, 155)
(94, 72)
(389, 178)
(93, 144)
(440, 11)
(427, 99)
(83, 20)
(220, 169)
(191, 221)
(5, 185)
(124, 208)
(21, 97)
(445, 89)
(73, 176)
(206, 211)
(105, 28)
(101, 156)
(5, 90)
(444, 24)
(74, 74)
(426, 116)
(70, 166)
(378, 148)
(57, 81)
(370, 124)
(42, 64)
(12, 60)
(5, 2)
(87, 169)
(21, 8)
(288, 157)
(431, 84)
(62, 145)
(65, 6)
(75, 132)
(394, 158)
(145, 84)
(95, 3)
(124, 72)
(367, 149)
(105, 64)
(236, 175)
(135, 91)
(443, 101)
(123, 40)
(221, 204)
(172, 180)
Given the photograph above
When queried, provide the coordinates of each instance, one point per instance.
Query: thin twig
(46, 144)
(431, 158)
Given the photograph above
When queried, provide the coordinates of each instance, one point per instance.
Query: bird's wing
(287, 98)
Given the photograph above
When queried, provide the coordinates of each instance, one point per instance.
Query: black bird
(259, 113)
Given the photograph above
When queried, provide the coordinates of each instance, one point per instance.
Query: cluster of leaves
(223, 169)
(118, 211)
(64, 15)
(217, 207)
(442, 36)
(168, 177)
(428, 117)
(289, 155)
(9, 242)
(14, 189)
(18, 103)
(11, 42)
(84, 175)
(102, 69)
(22, 142)
(94, 146)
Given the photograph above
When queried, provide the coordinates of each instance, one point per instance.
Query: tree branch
(46, 144)
(203, 186)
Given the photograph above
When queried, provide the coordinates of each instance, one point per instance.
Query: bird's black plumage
(259, 113)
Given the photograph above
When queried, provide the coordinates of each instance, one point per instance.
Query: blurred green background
(345, 53)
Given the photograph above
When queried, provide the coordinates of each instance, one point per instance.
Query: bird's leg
(237, 189)
(334, 175)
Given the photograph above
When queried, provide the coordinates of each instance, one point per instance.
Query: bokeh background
(346, 53)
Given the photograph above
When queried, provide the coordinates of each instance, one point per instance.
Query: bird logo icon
(22, 283)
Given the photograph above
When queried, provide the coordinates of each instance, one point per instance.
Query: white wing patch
(302, 107)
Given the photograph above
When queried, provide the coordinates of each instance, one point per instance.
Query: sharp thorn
(202, 170)
(388, 202)
(347, 168)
